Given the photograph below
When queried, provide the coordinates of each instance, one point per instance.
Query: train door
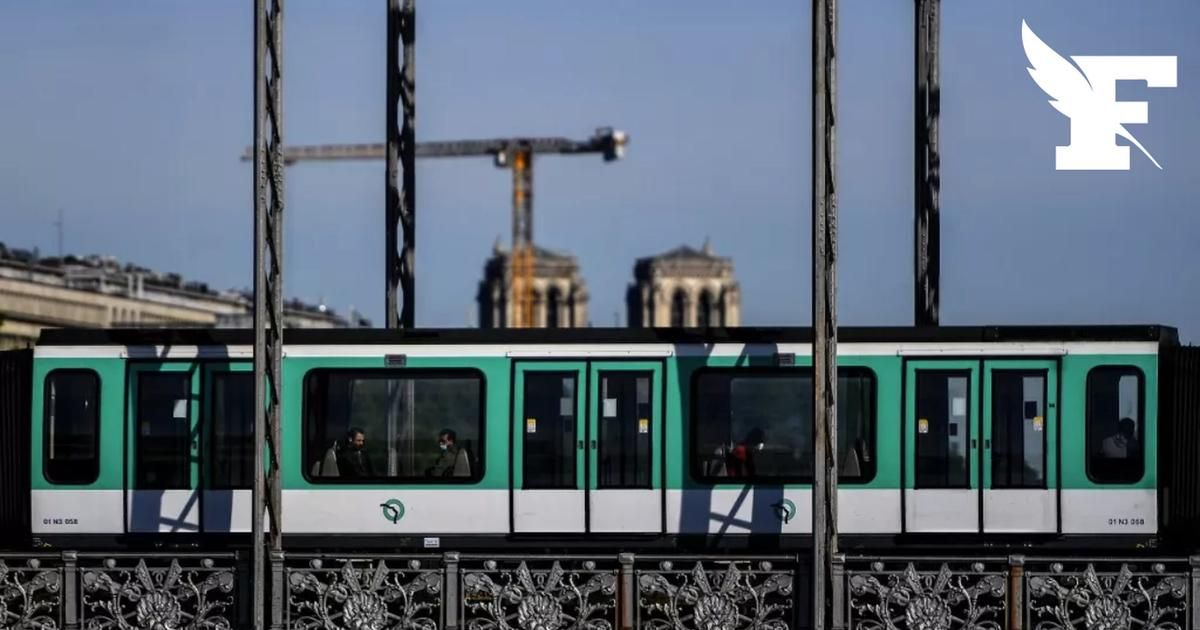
(1020, 469)
(941, 444)
(163, 446)
(980, 447)
(548, 447)
(625, 437)
(587, 444)
(227, 468)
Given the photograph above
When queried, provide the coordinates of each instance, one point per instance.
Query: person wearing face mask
(742, 457)
(452, 461)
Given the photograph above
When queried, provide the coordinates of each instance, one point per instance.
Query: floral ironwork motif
(369, 598)
(1108, 601)
(550, 599)
(734, 598)
(145, 598)
(30, 596)
(919, 600)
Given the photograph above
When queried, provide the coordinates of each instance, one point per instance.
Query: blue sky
(131, 117)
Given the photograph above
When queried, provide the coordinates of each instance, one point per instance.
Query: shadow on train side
(700, 516)
(192, 509)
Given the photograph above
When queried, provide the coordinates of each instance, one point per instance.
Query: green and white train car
(1063, 435)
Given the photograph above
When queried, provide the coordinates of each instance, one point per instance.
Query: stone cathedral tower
(684, 288)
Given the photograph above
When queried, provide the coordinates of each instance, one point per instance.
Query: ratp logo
(1087, 94)
(393, 510)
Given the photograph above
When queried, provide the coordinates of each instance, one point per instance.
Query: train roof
(369, 336)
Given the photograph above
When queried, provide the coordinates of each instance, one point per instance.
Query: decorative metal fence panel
(716, 593)
(928, 594)
(967, 593)
(134, 591)
(118, 591)
(369, 593)
(31, 592)
(373, 591)
(1149, 594)
(539, 593)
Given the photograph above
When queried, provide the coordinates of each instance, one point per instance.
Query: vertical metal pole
(278, 598)
(452, 600)
(824, 304)
(626, 592)
(70, 589)
(401, 155)
(927, 229)
(260, 221)
(268, 283)
(1194, 562)
(1016, 592)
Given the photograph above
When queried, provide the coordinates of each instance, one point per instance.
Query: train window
(943, 427)
(389, 426)
(231, 452)
(71, 445)
(1018, 435)
(757, 425)
(164, 433)
(624, 458)
(549, 400)
(1115, 425)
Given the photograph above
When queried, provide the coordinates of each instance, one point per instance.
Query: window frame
(974, 421)
(1044, 374)
(208, 413)
(478, 472)
(693, 467)
(580, 383)
(46, 409)
(1141, 423)
(134, 466)
(635, 374)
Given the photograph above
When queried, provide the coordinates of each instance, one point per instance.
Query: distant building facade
(95, 292)
(684, 288)
(560, 295)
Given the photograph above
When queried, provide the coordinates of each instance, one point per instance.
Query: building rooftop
(107, 274)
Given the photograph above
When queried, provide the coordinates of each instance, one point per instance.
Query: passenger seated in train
(353, 461)
(346, 458)
(453, 461)
(1123, 443)
(741, 460)
(1120, 456)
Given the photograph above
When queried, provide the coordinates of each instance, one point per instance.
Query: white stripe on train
(466, 511)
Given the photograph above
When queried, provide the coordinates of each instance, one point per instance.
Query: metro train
(1071, 436)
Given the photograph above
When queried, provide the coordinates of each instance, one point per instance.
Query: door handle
(987, 444)
(593, 445)
(974, 443)
(581, 445)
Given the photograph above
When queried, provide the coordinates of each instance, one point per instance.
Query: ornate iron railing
(31, 591)
(888, 593)
(367, 591)
(1146, 594)
(118, 591)
(382, 591)
(680, 593)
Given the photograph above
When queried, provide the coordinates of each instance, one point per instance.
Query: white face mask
(761, 446)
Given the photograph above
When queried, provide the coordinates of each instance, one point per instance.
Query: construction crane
(517, 153)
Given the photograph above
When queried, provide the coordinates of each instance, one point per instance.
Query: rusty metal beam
(268, 289)
(927, 224)
(400, 153)
(824, 310)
